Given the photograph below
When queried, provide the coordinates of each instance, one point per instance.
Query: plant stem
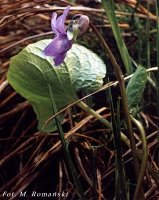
(79, 189)
(144, 158)
(157, 25)
(85, 107)
(82, 105)
(120, 188)
(120, 78)
(109, 7)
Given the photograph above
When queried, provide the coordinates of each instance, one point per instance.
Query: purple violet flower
(60, 44)
(65, 36)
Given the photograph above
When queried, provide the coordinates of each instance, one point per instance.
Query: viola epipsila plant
(59, 63)
(49, 73)
(86, 81)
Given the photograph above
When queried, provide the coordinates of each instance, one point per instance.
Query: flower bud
(77, 26)
(83, 22)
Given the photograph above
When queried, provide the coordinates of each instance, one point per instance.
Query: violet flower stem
(89, 110)
(86, 108)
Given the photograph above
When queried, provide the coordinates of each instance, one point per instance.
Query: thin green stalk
(120, 189)
(82, 105)
(135, 9)
(120, 78)
(89, 110)
(110, 11)
(148, 60)
(157, 14)
(148, 64)
(85, 107)
(94, 174)
(79, 189)
(139, 43)
(144, 158)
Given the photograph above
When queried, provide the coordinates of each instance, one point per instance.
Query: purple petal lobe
(60, 23)
(53, 23)
(60, 44)
(59, 58)
(63, 44)
(50, 49)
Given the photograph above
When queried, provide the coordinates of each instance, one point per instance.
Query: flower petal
(53, 23)
(59, 58)
(63, 44)
(83, 23)
(60, 44)
(50, 50)
(60, 23)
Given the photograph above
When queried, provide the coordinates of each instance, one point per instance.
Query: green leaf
(31, 73)
(135, 88)
(86, 69)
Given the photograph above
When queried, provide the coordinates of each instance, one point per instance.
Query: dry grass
(34, 161)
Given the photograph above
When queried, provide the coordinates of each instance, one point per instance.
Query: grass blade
(110, 11)
(120, 188)
(157, 14)
(79, 189)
